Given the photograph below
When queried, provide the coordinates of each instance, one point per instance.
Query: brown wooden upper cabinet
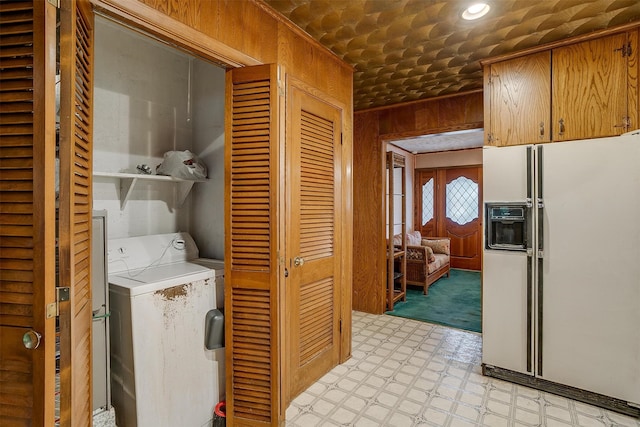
(576, 91)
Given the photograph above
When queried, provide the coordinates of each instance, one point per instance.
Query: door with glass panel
(448, 203)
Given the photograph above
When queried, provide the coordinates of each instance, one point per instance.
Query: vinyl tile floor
(409, 373)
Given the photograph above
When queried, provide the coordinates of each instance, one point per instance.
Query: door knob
(298, 261)
(31, 340)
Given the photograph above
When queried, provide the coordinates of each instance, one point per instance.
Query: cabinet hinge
(340, 138)
(340, 325)
(625, 50)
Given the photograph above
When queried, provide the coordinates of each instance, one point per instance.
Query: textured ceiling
(404, 50)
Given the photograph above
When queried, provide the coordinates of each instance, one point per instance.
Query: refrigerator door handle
(530, 257)
(529, 309)
(540, 257)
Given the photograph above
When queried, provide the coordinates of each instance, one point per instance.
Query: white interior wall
(445, 159)
(207, 213)
(145, 99)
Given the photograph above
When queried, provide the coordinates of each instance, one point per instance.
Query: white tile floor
(408, 373)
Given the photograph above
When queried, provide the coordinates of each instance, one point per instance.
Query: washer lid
(151, 279)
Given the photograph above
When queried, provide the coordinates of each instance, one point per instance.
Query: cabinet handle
(541, 130)
(561, 130)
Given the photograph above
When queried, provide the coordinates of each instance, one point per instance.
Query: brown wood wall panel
(369, 263)
(433, 116)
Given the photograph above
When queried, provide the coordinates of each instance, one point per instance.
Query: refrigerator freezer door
(505, 342)
(506, 315)
(591, 266)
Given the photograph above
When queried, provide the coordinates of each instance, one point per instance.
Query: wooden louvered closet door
(75, 210)
(27, 211)
(253, 343)
(313, 260)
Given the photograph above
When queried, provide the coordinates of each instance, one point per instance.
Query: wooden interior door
(462, 191)
(27, 212)
(313, 250)
(75, 210)
(454, 196)
(252, 266)
(590, 90)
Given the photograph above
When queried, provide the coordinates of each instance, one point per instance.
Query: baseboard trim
(585, 396)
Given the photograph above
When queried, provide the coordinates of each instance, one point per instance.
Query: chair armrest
(416, 253)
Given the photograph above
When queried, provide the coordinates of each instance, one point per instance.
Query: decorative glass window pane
(462, 200)
(427, 201)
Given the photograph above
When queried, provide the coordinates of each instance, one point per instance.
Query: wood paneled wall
(432, 116)
(372, 128)
(369, 260)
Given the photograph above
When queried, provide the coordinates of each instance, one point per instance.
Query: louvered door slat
(75, 211)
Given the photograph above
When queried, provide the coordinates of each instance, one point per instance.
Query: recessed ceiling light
(475, 11)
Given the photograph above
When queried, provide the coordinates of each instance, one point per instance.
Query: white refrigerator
(561, 306)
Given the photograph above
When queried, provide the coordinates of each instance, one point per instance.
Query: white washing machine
(164, 372)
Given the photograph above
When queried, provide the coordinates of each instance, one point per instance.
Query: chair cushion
(439, 246)
(430, 256)
(413, 238)
(440, 260)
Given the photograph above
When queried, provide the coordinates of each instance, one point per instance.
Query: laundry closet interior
(150, 99)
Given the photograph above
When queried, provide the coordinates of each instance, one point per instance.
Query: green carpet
(452, 301)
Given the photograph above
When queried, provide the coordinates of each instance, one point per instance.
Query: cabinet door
(519, 100)
(590, 88)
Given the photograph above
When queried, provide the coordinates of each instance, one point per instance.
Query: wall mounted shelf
(129, 180)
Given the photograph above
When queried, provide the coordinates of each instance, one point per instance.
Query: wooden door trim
(142, 17)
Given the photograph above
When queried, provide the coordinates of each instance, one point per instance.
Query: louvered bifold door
(251, 267)
(27, 212)
(313, 212)
(76, 51)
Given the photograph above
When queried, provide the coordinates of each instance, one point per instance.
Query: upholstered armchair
(428, 259)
